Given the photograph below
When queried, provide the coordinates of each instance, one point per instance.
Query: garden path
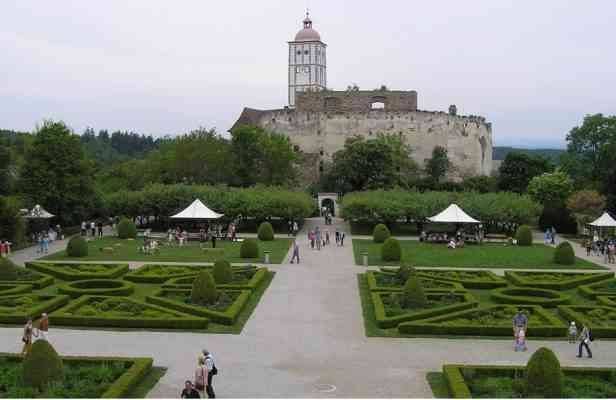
(306, 333)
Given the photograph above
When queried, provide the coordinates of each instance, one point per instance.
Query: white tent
(604, 221)
(38, 212)
(197, 210)
(453, 214)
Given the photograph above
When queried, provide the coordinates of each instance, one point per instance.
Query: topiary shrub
(391, 250)
(544, 377)
(404, 272)
(127, 229)
(77, 247)
(265, 232)
(204, 289)
(413, 295)
(249, 249)
(564, 254)
(524, 236)
(380, 233)
(8, 270)
(42, 366)
(222, 272)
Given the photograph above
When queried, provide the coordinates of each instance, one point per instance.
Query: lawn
(128, 250)
(472, 256)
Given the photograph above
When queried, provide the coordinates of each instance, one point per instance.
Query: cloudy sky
(533, 68)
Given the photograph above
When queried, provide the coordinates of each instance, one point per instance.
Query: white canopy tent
(38, 212)
(604, 221)
(454, 215)
(197, 210)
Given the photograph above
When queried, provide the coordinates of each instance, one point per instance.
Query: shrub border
(572, 313)
(577, 279)
(182, 321)
(374, 287)
(40, 283)
(51, 303)
(252, 284)
(126, 289)
(227, 317)
(18, 288)
(385, 322)
(432, 326)
(134, 277)
(498, 296)
(590, 292)
(56, 270)
(495, 282)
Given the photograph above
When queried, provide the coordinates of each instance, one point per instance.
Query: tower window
(299, 52)
(307, 69)
(298, 69)
(306, 52)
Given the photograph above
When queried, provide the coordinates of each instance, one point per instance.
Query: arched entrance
(329, 200)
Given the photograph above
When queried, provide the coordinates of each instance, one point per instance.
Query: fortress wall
(360, 101)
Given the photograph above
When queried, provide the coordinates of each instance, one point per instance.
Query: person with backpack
(211, 371)
(201, 376)
(585, 338)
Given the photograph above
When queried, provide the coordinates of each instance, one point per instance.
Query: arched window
(377, 105)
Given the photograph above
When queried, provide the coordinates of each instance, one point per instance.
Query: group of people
(601, 247)
(30, 333)
(549, 237)
(583, 337)
(204, 377)
(327, 214)
(45, 237)
(92, 228)
(5, 248)
(293, 228)
(320, 238)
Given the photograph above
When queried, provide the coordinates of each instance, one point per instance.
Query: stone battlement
(356, 100)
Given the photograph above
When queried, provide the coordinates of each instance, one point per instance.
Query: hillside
(500, 152)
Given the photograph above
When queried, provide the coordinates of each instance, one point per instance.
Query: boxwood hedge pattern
(101, 287)
(476, 279)
(76, 272)
(609, 301)
(160, 273)
(600, 319)
(138, 368)
(488, 321)
(529, 295)
(7, 289)
(30, 277)
(252, 284)
(17, 309)
(75, 314)
(373, 278)
(555, 280)
(603, 288)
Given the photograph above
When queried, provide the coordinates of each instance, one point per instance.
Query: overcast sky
(532, 68)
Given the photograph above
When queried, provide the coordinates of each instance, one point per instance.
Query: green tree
(586, 205)
(550, 188)
(12, 226)
(5, 174)
(518, 169)
(57, 175)
(438, 165)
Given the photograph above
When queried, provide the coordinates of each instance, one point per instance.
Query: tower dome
(307, 34)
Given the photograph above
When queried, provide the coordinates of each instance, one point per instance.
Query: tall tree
(438, 165)
(5, 175)
(518, 169)
(551, 189)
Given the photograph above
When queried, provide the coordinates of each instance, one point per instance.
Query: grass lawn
(472, 256)
(128, 250)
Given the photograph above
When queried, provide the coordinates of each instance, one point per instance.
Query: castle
(318, 120)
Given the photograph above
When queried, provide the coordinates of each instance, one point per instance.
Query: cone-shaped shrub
(413, 295)
(524, 236)
(42, 366)
(391, 250)
(380, 233)
(265, 232)
(564, 254)
(204, 289)
(127, 229)
(249, 249)
(8, 270)
(222, 272)
(404, 272)
(77, 247)
(544, 377)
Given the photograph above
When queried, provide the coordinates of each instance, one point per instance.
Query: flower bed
(123, 312)
(603, 288)
(488, 321)
(555, 280)
(388, 281)
(468, 279)
(17, 308)
(77, 272)
(100, 287)
(29, 277)
(601, 319)
(529, 295)
(7, 289)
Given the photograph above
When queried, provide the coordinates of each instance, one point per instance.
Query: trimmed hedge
(524, 236)
(222, 272)
(8, 270)
(574, 279)
(265, 232)
(413, 294)
(252, 284)
(544, 377)
(564, 254)
(529, 295)
(374, 286)
(65, 316)
(249, 249)
(595, 289)
(579, 315)
(391, 251)
(380, 233)
(40, 282)
(47, 305)
(609, 301)
(455, 382)
(42, 366)
(127, 229)
(77, 247)
(227, 317)
(61, 271)
(438, 326)
(204, 289)
(7, 289)
(141, 274)
(100, 287)
(489, 281)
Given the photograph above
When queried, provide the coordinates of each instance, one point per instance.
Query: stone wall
(356, 101)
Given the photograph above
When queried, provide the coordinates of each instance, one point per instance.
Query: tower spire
(307, 20)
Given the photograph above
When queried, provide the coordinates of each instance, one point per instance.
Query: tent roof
(38, 212)
(197, 210)
(453, 214)
(604, 220)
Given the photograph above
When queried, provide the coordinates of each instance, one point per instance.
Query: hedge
(249, 248)
(140, 275)
(47, 305)
(564, 254)
(455, 382)
(40, 282)
(227, 317)
(437, 326)
(59, 271)
(122, 386)
(578, 314)
(14, 288)
(374, 287)
(115, 287)
(383, 321)
(391, 250)
(594, 289)
(265, 232)
(529, 295)
(524, 236)
(575, 279)
(126, 229)
(492, 280)
(65, 316)
(77, 247)
(609, 301)
(380, 233)
(252, 284)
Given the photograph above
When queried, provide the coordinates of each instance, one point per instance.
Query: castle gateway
(318, 121)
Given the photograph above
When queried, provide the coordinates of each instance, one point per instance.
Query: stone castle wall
(357, 101)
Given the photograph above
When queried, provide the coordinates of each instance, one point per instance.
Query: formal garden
(407, 302)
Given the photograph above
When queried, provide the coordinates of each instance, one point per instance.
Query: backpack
(214, 369)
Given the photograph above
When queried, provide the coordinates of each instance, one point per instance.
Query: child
(520, 341)
(572, 332)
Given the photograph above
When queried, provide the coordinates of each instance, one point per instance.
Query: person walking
(99, 228)
(326, 237)
(201, 375)
(93, 228)
(342, 235)
(295, 228)
(84, 229)
(317, 234)
(45, 242)
(553, 236)
(585, 338)
(27, 338)
(211, 371)
(213, 240)
(189, 391)
(43, 329)
(295, 252)
(572, 332)
(520, 321)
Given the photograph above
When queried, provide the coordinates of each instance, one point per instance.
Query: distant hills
(500, 152)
